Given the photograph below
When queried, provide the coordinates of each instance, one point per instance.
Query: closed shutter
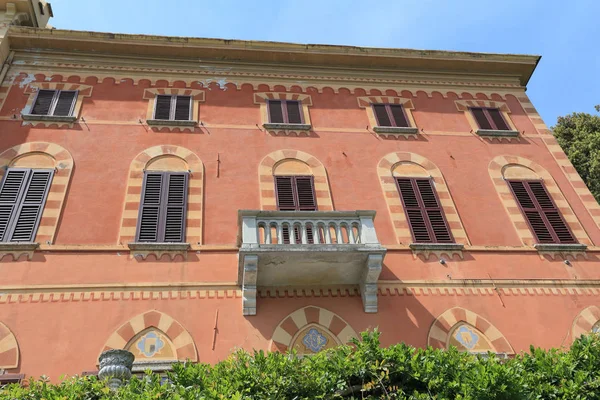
(64, 103)
(162, 108)
(163, 207)
(424, 213)
(399, 116)
(381, 114)
(43, 102)
(544, 219)
(294, 113)
(22, 199)
(497, 119)
(295, 193)
(182, 108)
(275, 112)
(481, 119)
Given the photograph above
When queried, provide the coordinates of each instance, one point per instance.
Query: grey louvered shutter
(275, 112)
(13, 185)
(29, 214)
(65, 102)
(150, 206)
(43, 102)
(183, 108)
(175, 207)
(162, 108)
(294, 112)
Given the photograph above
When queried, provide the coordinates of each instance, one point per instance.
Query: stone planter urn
(115, 365)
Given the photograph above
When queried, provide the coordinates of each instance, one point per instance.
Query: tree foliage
(579, 136)
(362, 371)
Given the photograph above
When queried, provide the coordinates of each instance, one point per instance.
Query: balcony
(308, 248)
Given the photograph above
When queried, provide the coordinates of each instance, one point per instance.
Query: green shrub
(362, 371)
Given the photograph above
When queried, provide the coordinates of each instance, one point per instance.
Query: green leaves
(364, 370)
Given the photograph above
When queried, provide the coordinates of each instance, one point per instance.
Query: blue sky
(565, 33)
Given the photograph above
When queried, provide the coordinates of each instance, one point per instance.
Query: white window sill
(170, 122)
(49, 118)
(293, 127)
(396, 130)
(496, 133)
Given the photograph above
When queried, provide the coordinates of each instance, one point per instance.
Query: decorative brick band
(181, 338)
(193, 232)
(267, 184)
(392, 197)
(63, 164)
(197, 96)
(9, 348)
(33, 88)
(585, 321)
(439, 333)
(496, 169)
(289, 327)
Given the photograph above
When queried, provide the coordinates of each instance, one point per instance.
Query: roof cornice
(521, 66)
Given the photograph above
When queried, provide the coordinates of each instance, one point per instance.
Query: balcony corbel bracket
(368, 282)
(250, 276)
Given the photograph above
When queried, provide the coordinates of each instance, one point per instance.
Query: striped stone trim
(289, 327)
(9, 348)
(392, 197)
(439, 333)
(193, 230)
(181, 338)
(63, 164)
(584, 322)
(198, 96)
(464, 105)
(495, 169)
(532, 113)
(366, 101)
(33, 88)
(267, 184)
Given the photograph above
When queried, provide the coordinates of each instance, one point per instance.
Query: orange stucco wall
(65, 334)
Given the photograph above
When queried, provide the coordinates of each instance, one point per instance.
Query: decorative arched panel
(165, 158)
(43, 155)
(458, 325)
(275, 159)
(9, 348)
(588, 320)
(403, 161)
(153, 332)
(310, 330)
(515, 167)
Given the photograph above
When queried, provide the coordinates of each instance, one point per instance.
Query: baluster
(292, 233)
(351, 238)
(327, 233)
(303, 234)
(268, 228)
(279, 227)
(340, 238)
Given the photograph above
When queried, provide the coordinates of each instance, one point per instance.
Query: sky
(566, 33)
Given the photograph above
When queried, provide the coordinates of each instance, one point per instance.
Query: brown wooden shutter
(481, 119)
(294, 112)
(545, 220)
(497, 119)
(163, 208)
(275, 112)
(423, 210)
(399, 116)
(295, 193)
(381, 115)
(64, 103)
(182, 108)
(175, 208)
(43, 102)
(162, 107)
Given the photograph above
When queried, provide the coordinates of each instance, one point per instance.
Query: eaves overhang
(277, 53)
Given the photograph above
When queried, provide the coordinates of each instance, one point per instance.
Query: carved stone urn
(115, 365)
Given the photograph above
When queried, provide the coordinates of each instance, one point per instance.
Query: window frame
(489, 119)
(173, 107)
(424, 209)
(295, 191)
(541, 211)
(388, 109)
(54, 102)
(284, 111)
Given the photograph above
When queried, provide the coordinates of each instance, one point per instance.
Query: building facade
(184, 197)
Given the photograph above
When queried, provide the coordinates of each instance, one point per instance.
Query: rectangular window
(173, 108)
(423, 211)
(54, 102)
(295, 193)
(7, 379)
(490, 118)
(22, 198)
(390, 115)
(544, 219)
(163, 207)
(285, 112)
